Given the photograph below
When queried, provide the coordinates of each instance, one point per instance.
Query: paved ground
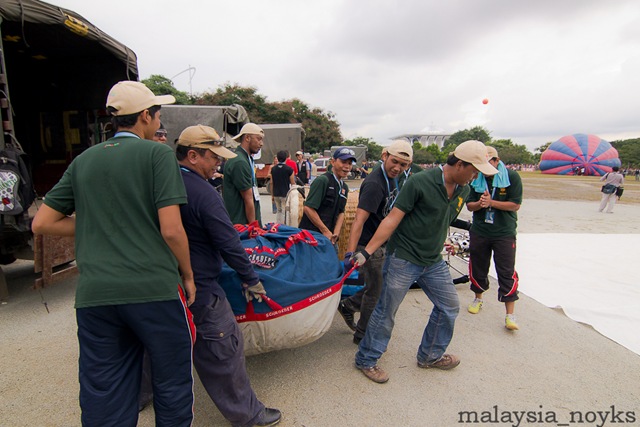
(554, 370)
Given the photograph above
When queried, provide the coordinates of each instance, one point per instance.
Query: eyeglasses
(160, 133)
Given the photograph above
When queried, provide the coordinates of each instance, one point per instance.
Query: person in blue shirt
(218, 353)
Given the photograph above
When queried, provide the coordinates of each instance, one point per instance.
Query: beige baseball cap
(249, 129)
(129, 97)
(492, 152)
(475, 152)
(401, 149)
(200, 136)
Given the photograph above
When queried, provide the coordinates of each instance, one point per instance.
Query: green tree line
(322, 129)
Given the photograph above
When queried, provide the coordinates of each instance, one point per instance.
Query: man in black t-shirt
(281, 179)
(377, 196)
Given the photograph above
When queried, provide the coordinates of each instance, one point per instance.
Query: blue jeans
(437, 284)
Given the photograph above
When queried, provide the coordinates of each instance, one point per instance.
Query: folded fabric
(500, 180)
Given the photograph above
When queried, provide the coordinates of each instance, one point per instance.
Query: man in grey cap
(240, 188)
(130, 242)
(218, 353)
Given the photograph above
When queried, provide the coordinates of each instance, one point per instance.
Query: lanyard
(338, 181)
(253, 171)
(443, 182)
(125, 133)
(386, 178)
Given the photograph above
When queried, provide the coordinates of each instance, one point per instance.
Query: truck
(56, 70)
(279, 136)
(227, 121)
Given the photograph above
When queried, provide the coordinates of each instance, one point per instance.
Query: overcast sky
(549, 68)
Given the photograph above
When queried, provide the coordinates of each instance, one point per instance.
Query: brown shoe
(446, 362)
(375, 374)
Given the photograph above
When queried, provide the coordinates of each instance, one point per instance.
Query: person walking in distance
(281, 179)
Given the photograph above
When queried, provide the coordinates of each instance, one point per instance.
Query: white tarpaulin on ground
(592, 277)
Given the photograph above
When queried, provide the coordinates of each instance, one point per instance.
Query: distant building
(425, 139)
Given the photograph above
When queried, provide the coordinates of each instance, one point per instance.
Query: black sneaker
(269, 417)
(347, 315)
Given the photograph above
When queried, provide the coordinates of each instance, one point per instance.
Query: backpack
(16, 185)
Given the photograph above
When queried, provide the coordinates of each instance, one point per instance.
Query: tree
(478, 133)
(537, 152)
(512, 154)
(160, 85)
(628, 152)
(321, 128)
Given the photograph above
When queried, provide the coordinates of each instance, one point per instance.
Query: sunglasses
(161, 133)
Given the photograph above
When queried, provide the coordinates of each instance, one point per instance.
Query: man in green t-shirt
(240, 187)
(126, 194)
(494, 201)
(325, 204)
(417, 227)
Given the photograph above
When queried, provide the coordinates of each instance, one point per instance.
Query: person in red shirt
(293, 165)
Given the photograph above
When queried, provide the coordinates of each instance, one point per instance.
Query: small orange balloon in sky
(485, 101)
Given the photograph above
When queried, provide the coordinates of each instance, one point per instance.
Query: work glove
(256, 291)
(347, 261)
(359, 258)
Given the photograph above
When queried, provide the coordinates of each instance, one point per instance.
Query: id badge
(256, 193)
(489, 216)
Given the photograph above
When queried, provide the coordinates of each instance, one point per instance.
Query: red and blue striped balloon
(580, 150)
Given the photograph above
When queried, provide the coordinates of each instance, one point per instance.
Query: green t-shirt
(504, 222)
(405, 175)
(328, 197)
(116, 189)
(428, 213)
(238, 176)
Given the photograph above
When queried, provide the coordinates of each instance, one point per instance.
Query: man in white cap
(376, 199)
(304, 168)
(126, 194)
(417, 228)
(240, 188)
(213, 239)
(495, 201)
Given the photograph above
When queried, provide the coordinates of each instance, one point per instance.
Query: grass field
(569, 187)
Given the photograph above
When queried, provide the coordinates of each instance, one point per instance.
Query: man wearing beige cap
(376, 199)
(495, 201)
(240, 188)
(218, 353)
(130, 242)
(417, 227)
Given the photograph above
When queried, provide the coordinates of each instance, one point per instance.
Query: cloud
(385, 68)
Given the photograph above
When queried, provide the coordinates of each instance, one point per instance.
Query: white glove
(256, 291)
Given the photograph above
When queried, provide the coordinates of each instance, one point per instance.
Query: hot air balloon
(485, 101)
(572, 153)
